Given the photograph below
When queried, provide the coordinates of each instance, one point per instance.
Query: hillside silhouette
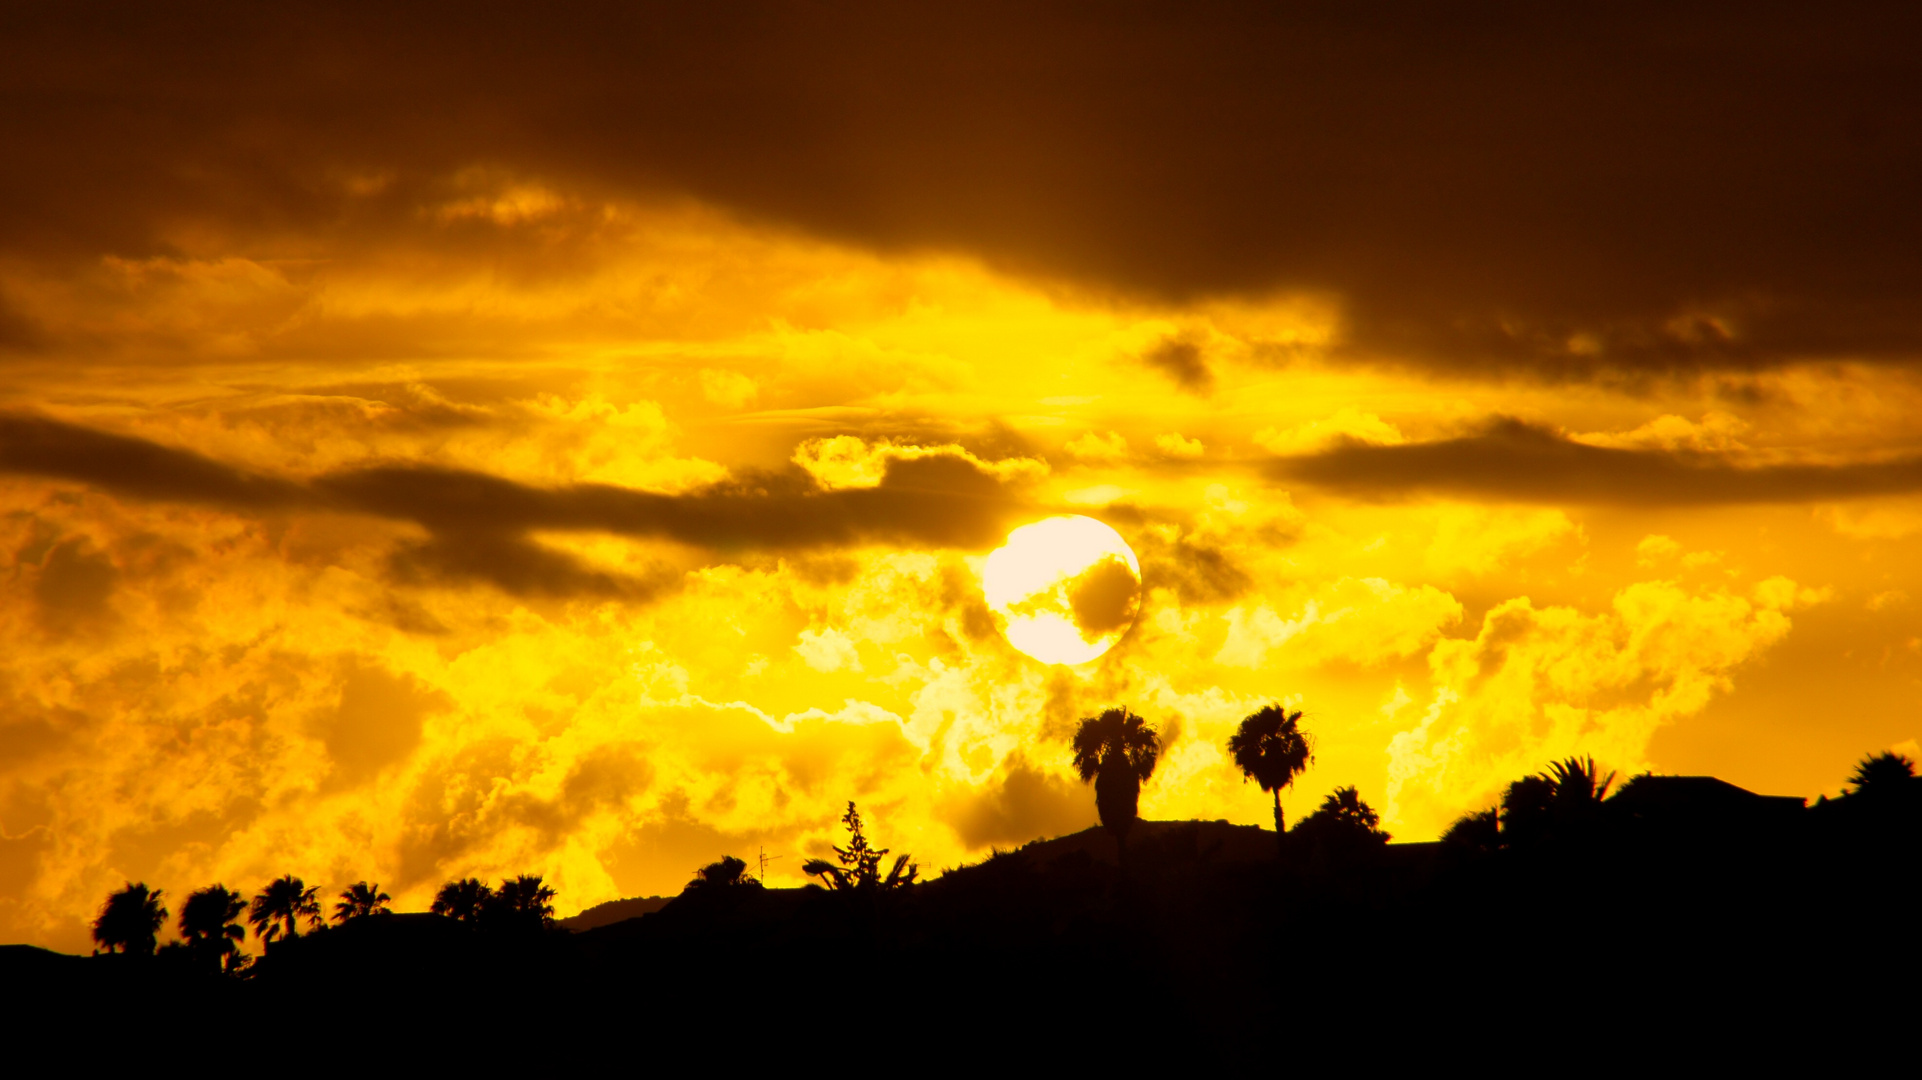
(1675, 908)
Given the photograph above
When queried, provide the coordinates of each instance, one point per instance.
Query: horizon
(594, 444)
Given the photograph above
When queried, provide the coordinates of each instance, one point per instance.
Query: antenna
(765, 859)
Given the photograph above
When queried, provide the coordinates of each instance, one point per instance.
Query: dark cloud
(516, 565)
(1025, 804)
(478, 524)
(1578, 189)
(1511, 460)
(941, 500)
(75, 586)
(377, 723)
(38, 446)
(1181, 360)
(1104, 598)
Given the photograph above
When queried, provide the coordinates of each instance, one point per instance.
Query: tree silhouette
(360, 900)
(281, 905)
(1343, 823)
(209, 921)
(860, 864)
(728, 873)
(1477, 832)
(1564, 800)
(522, 903)
(1579, 787)
(1528, 811)
(1882, 775)
(130, 921)
(465, 899)
(1118, 751)
(1271, 749)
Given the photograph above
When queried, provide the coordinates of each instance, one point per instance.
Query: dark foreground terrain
(1713, 927)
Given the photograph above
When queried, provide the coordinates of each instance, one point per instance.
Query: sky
(444, 440)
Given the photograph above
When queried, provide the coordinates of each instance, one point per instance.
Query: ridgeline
(1680, 912)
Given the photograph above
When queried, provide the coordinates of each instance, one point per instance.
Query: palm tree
(523, 902)
(464, 899)
(1882, 775)
(360, 900)
(130, 921)
(282, 904)
(1118, 751)
(1562, 802)
(1271, 749)
(1579, 786)
(208, 921)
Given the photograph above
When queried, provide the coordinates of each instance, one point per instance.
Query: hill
(1215, 945)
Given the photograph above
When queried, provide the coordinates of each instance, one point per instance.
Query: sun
(1064, 589)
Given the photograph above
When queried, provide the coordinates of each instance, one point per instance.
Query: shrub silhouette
(1342, 824)
(1118, 751)
(1528, 811)
(209, 922)
(130, 921)
(728, 873)
(281, 905)
(1477, 832)
(1882, 775)
(360, 900)
(1271, 749)
(465, 899)
(860, 864)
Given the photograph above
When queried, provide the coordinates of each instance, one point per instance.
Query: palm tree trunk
(1280, 833)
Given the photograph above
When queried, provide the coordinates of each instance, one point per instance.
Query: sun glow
(1063, 590)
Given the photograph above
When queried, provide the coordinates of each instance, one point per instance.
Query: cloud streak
(479, 523)
(1511, 460)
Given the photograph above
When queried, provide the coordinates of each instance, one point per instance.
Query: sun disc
(1063, 590)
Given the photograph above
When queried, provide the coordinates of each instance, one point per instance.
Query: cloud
(1573, 221)
(1513, 460)
(1181, 359)
(1536, 684)
(1346, 424)
(1093, 447)
(1104, 598)
(941, 496)
(1175, 446)
(37, 446)
(1023, 803)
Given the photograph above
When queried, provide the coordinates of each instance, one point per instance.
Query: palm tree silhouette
(465, 899)
(360, 900)
(1271, 749)
(1578, 785)
(281, 905)
(1882, 775)
(1560, 802)
(1118, 751)
(523, 903)
(130, 921)
(209, 923)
